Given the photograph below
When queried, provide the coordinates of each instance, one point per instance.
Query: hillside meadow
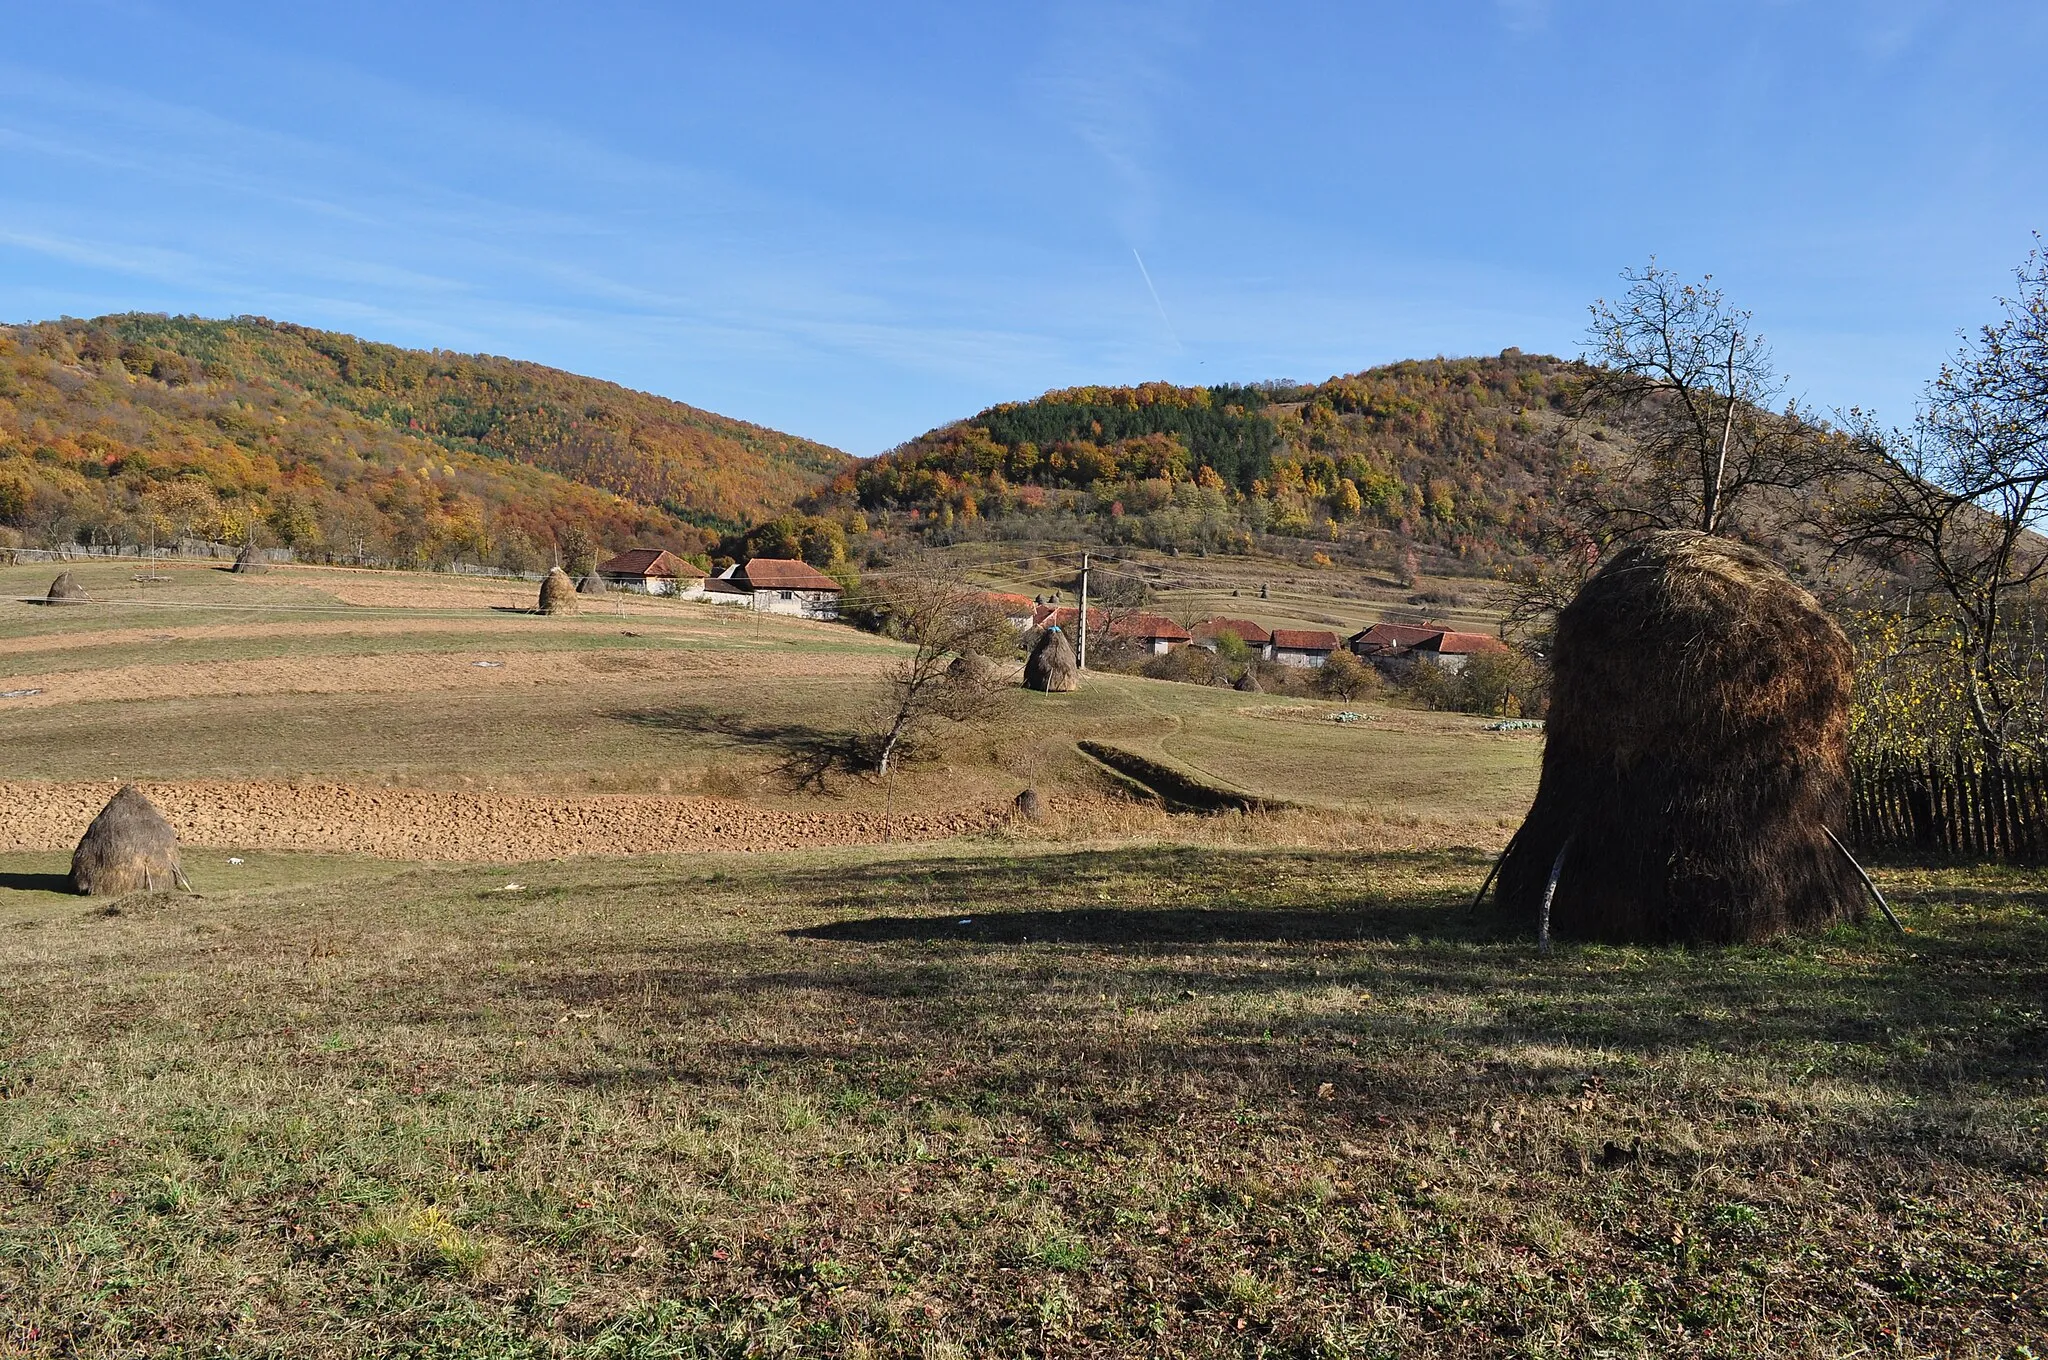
(557, 1071)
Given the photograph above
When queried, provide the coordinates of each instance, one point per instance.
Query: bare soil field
(414, 824)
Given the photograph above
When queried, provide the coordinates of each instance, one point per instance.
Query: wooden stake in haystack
(128, 848)
(557, 593)
(248, 562)
(66, 590)
(1696, 757)
(1051, 668)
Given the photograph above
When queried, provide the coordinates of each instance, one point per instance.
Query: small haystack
(66, 590)
(1248, 683)
(557, 593)
(592, 584)
(1696, 755)
(128, 848)
(247, 563)
(1030, 805)
(1052, 668)
(972, 670)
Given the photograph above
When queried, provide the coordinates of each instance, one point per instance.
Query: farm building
(1019, 610)
(1305, 647)
(776, 585)
(1154, 632)
(652, 571)
(1450, 651)
(1390, 639)
(1251, 634)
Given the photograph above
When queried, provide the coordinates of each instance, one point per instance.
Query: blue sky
(854, 222)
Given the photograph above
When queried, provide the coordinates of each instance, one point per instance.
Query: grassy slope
(1003, 1098)
(613, 729)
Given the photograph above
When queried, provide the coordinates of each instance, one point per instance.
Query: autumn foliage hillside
(1457, 457)
(115, 429)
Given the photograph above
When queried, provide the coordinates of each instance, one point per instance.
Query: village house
(1450, 652)
(1392, 644)
(652, 571)
(1018, 610)
(1390, 640)
(1305, 647)
(1246, 631)
(776, 585)
(1154, 632)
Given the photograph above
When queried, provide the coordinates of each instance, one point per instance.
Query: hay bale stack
(247, 563)
(66, 590)
(592, 584)
(128, 848)
(1248, 683)
(1030, 805)
(1696, 755)
(1051, 668)
(972, 670)
(557, 593)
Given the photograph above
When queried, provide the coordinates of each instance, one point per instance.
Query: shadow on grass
(807, 759)
(48, 883)
(1001, 952)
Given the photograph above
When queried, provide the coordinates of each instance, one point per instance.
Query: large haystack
(248, 563)
(1051, 668)
(66, 590)
(1697, 755)
(1248, 683)
(128, 848)
(557, 593)
(591, 584)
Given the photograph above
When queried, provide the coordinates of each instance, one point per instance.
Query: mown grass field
(1003, 1098)
(1116, 1083)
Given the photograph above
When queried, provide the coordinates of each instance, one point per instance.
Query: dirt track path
(408, 824)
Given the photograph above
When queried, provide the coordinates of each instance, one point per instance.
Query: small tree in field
(952, 629)
(1343, 676)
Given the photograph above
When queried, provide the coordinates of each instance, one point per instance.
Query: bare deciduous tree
(945, 621)
(1957, 502)
(1689, 383)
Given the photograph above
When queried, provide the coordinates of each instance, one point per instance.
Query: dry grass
(1002, 1099)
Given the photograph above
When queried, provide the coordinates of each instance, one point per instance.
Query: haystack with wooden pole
(557, 593)
(1248, 683)
(1051, 667)
(128, 848)
(248, 562)
(592, 584)
(1696, 761)
(66, 590)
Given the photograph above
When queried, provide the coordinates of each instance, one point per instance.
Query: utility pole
(1084, 612)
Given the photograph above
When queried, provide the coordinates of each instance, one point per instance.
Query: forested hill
(1455, 456)
(202, 427)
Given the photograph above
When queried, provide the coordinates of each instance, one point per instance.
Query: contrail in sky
(1155, 298)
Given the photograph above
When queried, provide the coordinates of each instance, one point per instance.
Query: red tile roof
(1305, 639)
(1063, 616)
(1153, 626)
(1392, 637)
(1244, 629)
(646, 562)
(1462, 644)
(1010, 604)
(784, 573)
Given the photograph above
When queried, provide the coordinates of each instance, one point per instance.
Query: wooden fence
(1953, 808)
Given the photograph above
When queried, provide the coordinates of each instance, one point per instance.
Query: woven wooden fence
(1954, 808)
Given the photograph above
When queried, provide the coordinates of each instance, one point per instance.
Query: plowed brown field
(408, 824)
